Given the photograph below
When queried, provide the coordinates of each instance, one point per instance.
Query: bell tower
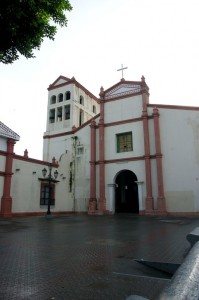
(70, 105)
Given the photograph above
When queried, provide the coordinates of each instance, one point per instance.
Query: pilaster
(102, 199)
(149, 198)
(92, 200)
(6, 200)
(161, 203)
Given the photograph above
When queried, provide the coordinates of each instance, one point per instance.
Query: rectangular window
(67, 112)
(124, 142)
(59, 114)
(45, 195)
(81, 117)
(52, 116)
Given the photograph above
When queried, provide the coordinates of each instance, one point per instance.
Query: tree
(25, 23)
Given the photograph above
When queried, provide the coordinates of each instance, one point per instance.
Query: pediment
(6, 132)
(122, 89)
(59, 81)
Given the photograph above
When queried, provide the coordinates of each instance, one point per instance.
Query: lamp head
(44, 172)
(56, 174)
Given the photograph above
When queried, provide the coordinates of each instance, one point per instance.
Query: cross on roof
(122, 68)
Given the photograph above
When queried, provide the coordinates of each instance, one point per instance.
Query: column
(149, 198)
(111, 204)
(140, 196)
(6, 200)
(161, 205)
(92, 200)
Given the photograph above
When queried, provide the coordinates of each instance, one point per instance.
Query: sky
(158, 39)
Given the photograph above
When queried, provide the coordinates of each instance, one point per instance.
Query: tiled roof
(5, 131)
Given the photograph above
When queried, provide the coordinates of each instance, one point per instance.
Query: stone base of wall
(53, 213)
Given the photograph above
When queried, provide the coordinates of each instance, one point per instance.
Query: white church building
(116, 153)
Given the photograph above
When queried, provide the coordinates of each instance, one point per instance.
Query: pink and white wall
(164, 158)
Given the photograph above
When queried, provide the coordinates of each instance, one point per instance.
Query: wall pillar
(102, 199)
(149, 198)
(161, 204)
(93, 200)
(6, 200)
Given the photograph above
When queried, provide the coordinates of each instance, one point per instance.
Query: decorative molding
(70, 132)
(124, 160)
(97, 126)
(179, 107)
(46, 181)
(3, 153)
(123, 96)
(142, 84)
(123, 90)
(123, 122)
(32, 160)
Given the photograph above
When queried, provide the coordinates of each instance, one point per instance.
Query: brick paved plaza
(85, 257)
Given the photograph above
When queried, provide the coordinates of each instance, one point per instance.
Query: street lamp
(50, 179)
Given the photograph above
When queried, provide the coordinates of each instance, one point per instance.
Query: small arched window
(60, 97)
(81, 100)
(53, 99)
(68, 95)
(94, 109)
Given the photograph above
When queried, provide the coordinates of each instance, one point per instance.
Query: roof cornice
(6, 132)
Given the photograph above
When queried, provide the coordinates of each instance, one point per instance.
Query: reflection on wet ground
(88, 257)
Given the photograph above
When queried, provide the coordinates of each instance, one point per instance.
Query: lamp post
(50, 179)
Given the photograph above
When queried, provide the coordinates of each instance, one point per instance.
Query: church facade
(114, 153)
(126, 155)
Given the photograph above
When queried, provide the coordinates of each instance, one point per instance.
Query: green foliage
(25, 23)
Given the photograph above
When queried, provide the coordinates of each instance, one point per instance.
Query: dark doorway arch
(126, 192)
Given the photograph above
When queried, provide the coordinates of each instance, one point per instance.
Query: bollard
(184, 285)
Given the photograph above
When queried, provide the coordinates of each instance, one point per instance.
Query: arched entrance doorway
(126, 193)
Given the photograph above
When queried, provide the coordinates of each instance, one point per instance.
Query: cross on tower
(122, 68)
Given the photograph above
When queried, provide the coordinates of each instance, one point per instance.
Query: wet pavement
(85, 257)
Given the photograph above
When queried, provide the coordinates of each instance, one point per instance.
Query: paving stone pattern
(85, 257)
